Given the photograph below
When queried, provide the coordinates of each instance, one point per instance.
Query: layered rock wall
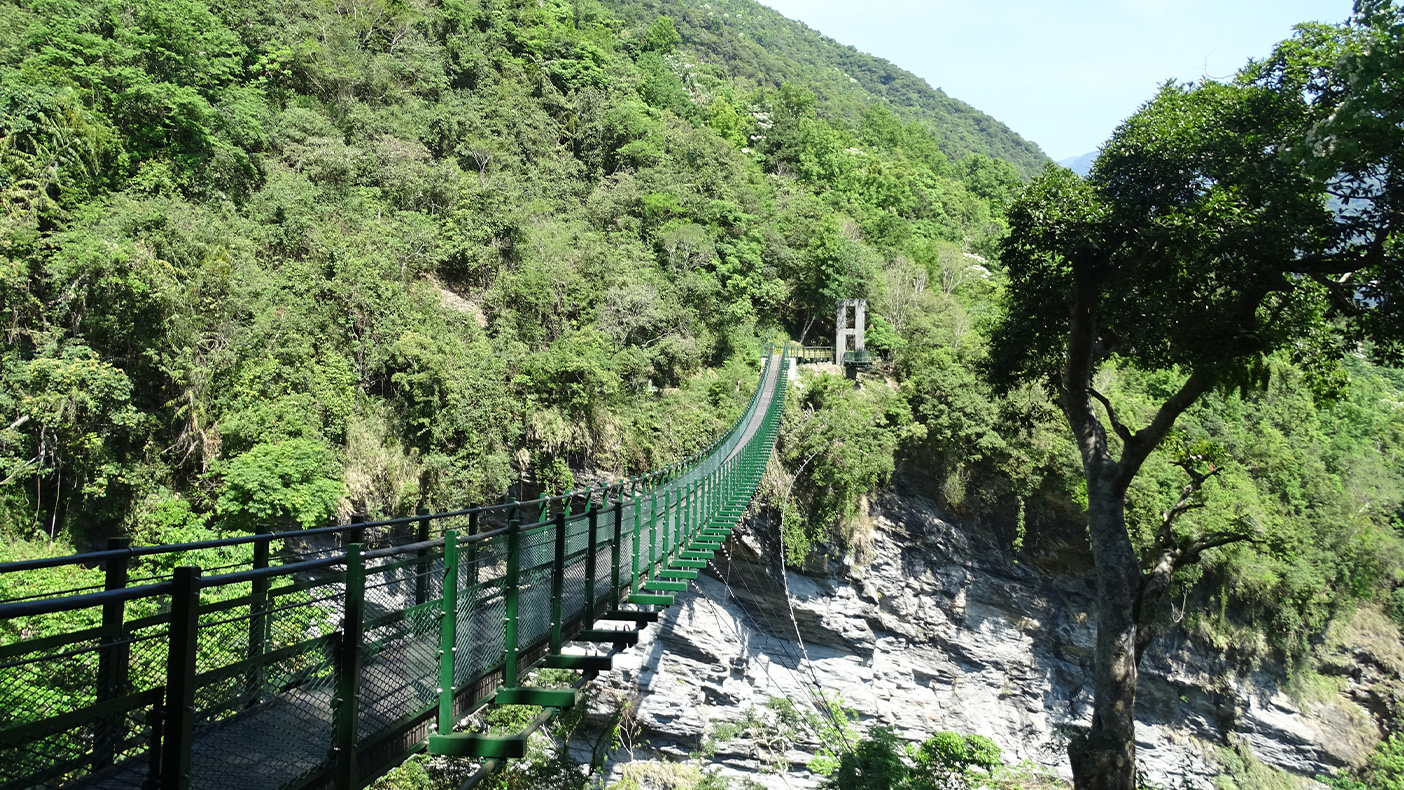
(940, 630)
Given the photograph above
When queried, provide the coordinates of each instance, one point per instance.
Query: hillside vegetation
(271, 263)
(279, 262)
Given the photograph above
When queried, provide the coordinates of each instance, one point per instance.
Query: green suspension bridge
(323, 658)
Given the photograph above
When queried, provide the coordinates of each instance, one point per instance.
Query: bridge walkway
(323, 658)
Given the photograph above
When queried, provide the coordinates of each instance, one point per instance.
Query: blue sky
(1062, 74)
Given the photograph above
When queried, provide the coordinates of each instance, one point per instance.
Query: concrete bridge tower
(850, 338)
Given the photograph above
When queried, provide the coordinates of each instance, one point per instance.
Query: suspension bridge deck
(323, 658)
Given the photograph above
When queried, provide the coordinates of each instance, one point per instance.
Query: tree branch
(1145, 440)
(1156, 581)
(1340, 299)
(1339, 264)
(1121, 430)
(1164, 537)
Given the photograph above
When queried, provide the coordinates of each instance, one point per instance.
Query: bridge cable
(820, 703)
(816, 701)
(785, 578)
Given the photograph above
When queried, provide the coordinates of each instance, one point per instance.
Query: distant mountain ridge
(756, 43)
(1082, 165)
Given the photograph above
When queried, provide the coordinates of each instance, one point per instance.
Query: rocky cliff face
(941, 630)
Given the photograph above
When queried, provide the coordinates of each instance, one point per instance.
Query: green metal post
(592, 549)
(258, 621)
(714, 488)
(679, 510)
(638, 530)
(558, 582)
(114, 658)
(680, 520)
(346, 702)
(448, 632)
(615, 549)
(694, 500)
(653, 529)
(178, 731)
(511, 593)
(421, 568)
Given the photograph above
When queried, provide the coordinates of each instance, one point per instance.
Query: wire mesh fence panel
(482, 610)
(38, 693)
(534, 608)
(399, 674)
(401, 641)
(285, 738)
(604, 554)
(573, 589)
(538, 547)
(481, 634)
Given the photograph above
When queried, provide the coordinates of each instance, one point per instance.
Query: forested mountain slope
(267, 263)
(755, 43)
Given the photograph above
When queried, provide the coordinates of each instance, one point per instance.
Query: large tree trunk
(1105, 758)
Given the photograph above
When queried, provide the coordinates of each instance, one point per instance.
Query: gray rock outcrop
(940, 630)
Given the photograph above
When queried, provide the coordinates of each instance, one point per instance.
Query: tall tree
(1204, 240)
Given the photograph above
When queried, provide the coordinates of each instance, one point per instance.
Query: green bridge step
(580, 663)
(470, 744)
(645, 599)
(642, 618)
(662, 586)
(541, 698)
(607, 635)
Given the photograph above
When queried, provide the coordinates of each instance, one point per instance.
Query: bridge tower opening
(849, 349)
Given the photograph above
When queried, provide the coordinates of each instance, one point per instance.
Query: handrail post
(680, 522)
(558, 583)
(511, 594)
(652, 534)
(421, 568)
(448, 632)
(592, 549)
(616, 549)
(694, 502)
(653, 553)
(114, 657)
(258, 620)
(179, 727)
(346, 702)
(638, 533)
(357, 533)
(713, 491)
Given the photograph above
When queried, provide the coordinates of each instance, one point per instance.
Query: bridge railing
(322, 657)
(809, 354)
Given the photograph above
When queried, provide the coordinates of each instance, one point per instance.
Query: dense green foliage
(275, 263)
(755, 44)
(1383, 771)
(284, 261)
